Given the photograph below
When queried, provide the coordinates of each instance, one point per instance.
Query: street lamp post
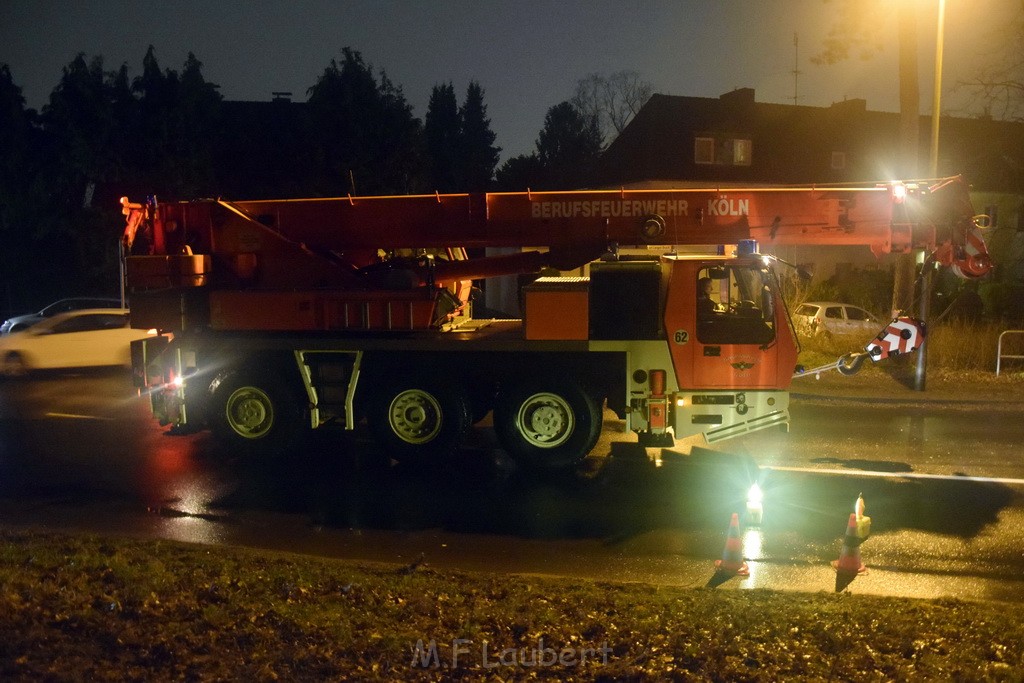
(937, 95)
(921, 369)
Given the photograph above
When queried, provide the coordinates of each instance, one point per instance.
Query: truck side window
(742, 312)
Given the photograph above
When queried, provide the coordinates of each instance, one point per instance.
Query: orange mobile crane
(283, 313)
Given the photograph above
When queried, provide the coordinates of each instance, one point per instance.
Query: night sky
(526, 54)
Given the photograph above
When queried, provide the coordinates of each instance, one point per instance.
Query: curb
(1008, 404)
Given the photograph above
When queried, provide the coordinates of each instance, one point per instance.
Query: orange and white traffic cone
(732, 557)
(848, 566)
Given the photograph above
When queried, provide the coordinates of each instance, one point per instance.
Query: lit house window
(727, 152)
(838, 160)
(704, 151)
(741, 151)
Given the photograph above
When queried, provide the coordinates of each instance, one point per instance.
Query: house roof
(844, 142)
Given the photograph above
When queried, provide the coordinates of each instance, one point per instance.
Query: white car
(89, 337)
(832, 317)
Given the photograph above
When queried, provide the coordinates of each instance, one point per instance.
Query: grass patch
(960, 346)
(92, 608)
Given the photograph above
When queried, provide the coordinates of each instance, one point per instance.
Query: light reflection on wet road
(81, 452)
(891, 438)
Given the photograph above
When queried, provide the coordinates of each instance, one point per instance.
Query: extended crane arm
(272, 239)
(864, 215)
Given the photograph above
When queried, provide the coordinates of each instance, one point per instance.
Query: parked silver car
(22, 322)
(832, 317)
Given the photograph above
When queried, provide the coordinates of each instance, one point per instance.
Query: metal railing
(999, 350)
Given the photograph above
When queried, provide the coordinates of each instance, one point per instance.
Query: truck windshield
(734, 305)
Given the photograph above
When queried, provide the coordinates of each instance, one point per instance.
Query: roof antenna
(796, 68)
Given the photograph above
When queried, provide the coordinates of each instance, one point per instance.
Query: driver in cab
(706, 306)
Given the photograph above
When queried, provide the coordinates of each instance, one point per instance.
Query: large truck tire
(547, 424)
(254, 412)
(481, 399)
(416, 416)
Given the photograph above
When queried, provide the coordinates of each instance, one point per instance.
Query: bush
(869, 288)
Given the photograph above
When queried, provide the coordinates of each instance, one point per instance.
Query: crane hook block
(850, 363)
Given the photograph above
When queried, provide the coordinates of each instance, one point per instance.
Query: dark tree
(199, 130)
(78, 119)
(19, 141)
(366, 138)
(478, 153)
(443, 132)
(568, 147)
(81, 155)
(520, 173)
(567, 152)
(158, 142)
(399, 142)
(125, 119)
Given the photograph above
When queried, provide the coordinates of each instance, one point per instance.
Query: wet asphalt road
(943, 488)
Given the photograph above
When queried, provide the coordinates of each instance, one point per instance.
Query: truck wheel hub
(250, 412)
(415, 416)
(546, 420)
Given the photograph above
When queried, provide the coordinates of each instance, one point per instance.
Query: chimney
(855, 106)
(739, 96)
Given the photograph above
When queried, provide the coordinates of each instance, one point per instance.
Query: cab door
(733, 347)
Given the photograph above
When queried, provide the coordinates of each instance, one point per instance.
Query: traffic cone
(732, 557)
(848, 566)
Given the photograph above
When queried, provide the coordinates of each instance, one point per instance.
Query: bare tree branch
(999, 85)
(612, 99)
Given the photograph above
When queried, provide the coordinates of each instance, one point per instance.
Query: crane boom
(572, 228)
(867, 215)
